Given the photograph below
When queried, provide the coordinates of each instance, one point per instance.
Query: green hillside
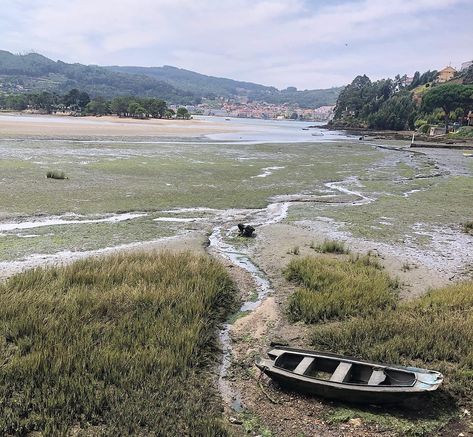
(211, 87)
(34, 72)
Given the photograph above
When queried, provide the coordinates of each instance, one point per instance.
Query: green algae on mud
(81, 237)
(108, 178)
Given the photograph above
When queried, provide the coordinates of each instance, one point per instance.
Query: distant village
(243, 108)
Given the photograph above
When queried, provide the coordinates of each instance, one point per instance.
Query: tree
(395, 113)
(136, 110)
(183, 113)
(169, 113)
(119, 105)
(449, 97)
(98, 106)
(155, 107)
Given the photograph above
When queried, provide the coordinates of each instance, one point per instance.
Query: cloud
(279, 42)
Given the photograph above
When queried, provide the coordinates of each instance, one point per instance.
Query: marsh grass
(331, 246)
(333, 289)
(436, 329)
(124, 345)
(54, 174)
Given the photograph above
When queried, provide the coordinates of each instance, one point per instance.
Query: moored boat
(348, 379)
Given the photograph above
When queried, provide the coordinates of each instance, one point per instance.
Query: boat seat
(377, 377)
(341, 372)
(304, 365)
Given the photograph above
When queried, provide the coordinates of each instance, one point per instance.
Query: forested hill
(212, 87)
(34, 72)
(394, 104)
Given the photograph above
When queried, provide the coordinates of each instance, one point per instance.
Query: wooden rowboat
(345, 378)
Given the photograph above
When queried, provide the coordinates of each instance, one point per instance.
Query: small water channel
(272, 214)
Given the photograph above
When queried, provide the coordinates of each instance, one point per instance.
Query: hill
(212, 87)
(34, 72)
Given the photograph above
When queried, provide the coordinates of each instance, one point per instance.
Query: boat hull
(343, 394)
(347, 379)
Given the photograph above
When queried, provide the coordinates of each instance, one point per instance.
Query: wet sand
(62, 126)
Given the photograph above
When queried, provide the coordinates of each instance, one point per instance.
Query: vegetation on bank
(80, 103)
(123, 345)
(331, 246)
(394, 105)
(334, 290)
(434, 331)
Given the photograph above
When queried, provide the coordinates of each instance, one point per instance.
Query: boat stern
(263, 364)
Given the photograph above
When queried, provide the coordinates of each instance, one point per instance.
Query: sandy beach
(63, 126)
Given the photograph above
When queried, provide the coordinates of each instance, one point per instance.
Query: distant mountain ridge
(35, 72)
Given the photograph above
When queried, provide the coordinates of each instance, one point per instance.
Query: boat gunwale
(354, 360)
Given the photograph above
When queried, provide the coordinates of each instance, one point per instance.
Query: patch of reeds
(123, 345)
(332, 246)
(333, 289)
(54, 174)
(435, 330)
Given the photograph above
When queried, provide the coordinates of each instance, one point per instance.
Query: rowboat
(344, 378)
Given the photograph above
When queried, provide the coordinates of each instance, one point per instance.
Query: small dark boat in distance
(348, 379)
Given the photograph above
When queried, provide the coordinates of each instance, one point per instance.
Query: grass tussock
(332, 246)
(119, 346)
(333, 289)
(434, 330)
(468, 227)
(54, 174)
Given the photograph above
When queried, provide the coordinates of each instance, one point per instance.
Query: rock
(245, 230)
(355, 422)
(235, 421)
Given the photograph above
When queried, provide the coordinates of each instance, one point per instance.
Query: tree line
(80, 103)
(395, 105)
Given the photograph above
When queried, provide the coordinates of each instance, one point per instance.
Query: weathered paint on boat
(345, 378)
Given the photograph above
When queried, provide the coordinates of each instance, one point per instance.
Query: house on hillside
(470, 118)
(466, 65)
(446, 74)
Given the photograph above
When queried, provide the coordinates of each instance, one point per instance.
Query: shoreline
(373, 134)
(62, 126)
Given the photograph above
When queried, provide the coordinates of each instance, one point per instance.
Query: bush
(425, 128)
(468, 227)
(332, 246)
(333, 289)
(463, 132)
(56, 175)
(123, 345)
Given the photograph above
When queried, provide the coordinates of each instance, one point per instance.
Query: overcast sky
(302, 43)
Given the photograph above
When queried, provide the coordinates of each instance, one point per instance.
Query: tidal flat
(404, 208)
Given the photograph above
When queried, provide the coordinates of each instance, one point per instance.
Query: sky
(304, 43)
